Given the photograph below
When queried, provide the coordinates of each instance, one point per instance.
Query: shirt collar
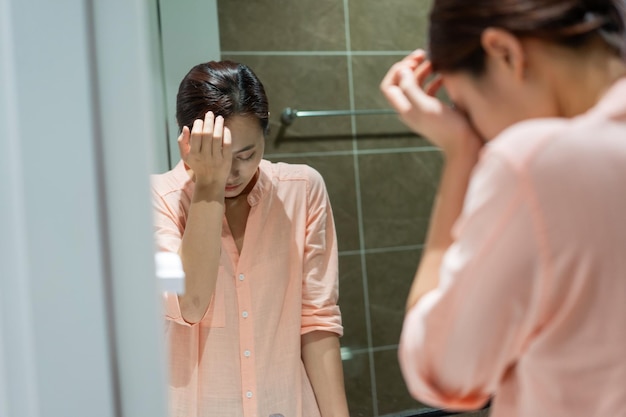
(612, 103)
(263, 183)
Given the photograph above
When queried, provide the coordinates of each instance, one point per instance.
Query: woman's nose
(234, 170)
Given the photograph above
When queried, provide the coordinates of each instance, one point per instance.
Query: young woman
(521, 291)
(256, 331)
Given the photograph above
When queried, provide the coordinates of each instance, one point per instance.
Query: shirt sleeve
(460, 339)
(320, 283)
(168, 232)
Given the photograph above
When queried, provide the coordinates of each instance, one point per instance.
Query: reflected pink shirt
(531, 305)
(243, 358)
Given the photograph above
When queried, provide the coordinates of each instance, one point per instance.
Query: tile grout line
(351, 152)
(388, 249)
(374, 349)
(357, 181)
(317, 53)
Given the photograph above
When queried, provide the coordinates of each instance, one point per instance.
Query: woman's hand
(207, 150)
(406, 88)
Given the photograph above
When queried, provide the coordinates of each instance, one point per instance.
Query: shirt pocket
(215, 316)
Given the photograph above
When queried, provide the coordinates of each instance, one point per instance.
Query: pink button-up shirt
(243, 358)
(531, 305)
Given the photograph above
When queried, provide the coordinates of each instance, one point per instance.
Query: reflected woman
(524, 299)
(256, 331)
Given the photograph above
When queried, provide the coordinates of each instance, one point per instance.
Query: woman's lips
(231, 187)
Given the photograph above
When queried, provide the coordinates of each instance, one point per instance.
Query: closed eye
(246, 158)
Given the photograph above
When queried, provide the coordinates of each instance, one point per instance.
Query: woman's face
(497, 99)
(489, 107)
(248, 144)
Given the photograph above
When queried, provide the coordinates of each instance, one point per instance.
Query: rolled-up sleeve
(460, 339)
(167, 236)
(320, 287)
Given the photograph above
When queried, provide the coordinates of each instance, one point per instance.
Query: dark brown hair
(456, 26)
(224, 87)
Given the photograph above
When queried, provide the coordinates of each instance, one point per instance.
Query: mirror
(329, 56)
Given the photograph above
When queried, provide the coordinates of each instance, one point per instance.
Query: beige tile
(358, 385)
(393, 396)
(304, 83)
(397, 25)
(368, 71)
(389, 277)
(352, 303)
(397, 193)
(267, 25)
(378, 131)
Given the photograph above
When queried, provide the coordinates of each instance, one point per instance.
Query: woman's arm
(321, 318)
(207, 151)
(322, 361)
(446, 209)
(406, 89)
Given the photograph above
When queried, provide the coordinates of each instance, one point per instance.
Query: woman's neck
(581, 83)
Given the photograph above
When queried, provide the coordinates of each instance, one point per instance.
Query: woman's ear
(505, 49)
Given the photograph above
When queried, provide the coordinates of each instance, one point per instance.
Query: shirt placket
(247, 352)
(246, 344)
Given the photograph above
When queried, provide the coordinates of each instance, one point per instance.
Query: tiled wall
(332, 55)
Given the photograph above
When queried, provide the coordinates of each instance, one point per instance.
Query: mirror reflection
(257, 328)
(530, 267)
(325, 56)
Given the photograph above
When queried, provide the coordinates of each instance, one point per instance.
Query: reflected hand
(207, 150)
(406, 89)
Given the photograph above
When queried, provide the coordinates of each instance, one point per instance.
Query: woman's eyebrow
(247, 148)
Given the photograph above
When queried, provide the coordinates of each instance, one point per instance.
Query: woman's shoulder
(520, 142)
(174, 180)
(283, 171)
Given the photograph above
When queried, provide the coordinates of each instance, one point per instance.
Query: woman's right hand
(406, 88)
(207, 150)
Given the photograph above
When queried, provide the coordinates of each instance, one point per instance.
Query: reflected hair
(225, 88)
(456, 27)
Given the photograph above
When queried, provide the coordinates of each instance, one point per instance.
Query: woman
(521, 291)
(256, 331)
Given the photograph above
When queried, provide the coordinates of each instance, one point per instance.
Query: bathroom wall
(80, 320)
(182, 37)
(331, 55)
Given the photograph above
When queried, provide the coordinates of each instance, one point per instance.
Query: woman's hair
(225, 88)
(456, 26)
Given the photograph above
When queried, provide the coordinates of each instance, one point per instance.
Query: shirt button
(246, 353)
(241, 277)
(244, 314)
(249, 394)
